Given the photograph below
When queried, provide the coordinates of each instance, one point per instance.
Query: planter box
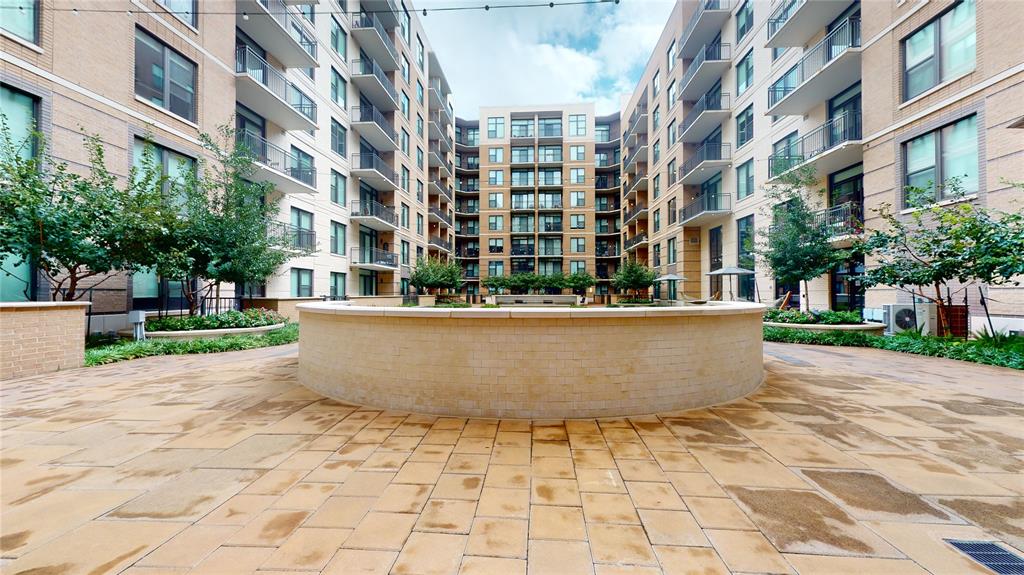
(873, 328)
(204, 333)
(40, 337)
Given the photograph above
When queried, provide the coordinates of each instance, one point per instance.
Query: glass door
(715, 255)
(844, 116)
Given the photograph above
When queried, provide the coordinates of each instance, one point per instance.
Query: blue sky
(554, 55)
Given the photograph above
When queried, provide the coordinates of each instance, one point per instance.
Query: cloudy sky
(554, 55)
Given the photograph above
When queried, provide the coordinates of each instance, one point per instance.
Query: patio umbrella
(669, 278)
(731, 271)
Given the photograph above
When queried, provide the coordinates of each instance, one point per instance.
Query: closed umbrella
(731, 271)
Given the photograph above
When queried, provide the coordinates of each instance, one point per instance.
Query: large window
(164, 77)
(337, 285)
(495, 127)
(302, 229)
(745, 256)
(745, 126)
(577, 245)
(21, 18)
(337, 238)
(339, 188)
(302, 282)
(943, 154)
(577, 175)
(339, 89)
(338, 136)
(577, 124)
(670, 56)
(173, 166)
(941, 51)
(495, 223)
(744, 20)
(339, 40)
(745, 179)
(496, 268)
(745, 73)
(20, 111)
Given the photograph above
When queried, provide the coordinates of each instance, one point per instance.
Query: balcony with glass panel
(830, 147)
(279, 31)
(373, 39)
(522, 180)
(373, 170)
(706, 115)
(278, 166)
(551, 131)
(373, 126)
(549, 156)
(825, 70)
(708, 160)
(549, 179)
(705, 24)
(264, 90)
(374, 215)
(373, 259)
(795, 22)
(374, 83)
(705, 208)
(705, 70)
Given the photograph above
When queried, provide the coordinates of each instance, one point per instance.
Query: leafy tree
(797, 247)
(579, 282)
(434, 273)
(937, 244)
(521, 283)
(633, 276)
(72, 226)
(496, 284)
(551, 282)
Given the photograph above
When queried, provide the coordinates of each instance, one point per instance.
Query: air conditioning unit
(910, 317)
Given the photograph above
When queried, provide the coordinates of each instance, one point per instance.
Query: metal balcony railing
(838, 41)
(704, 5)
(293, 25)
(526, 204)
(496, 249)
(550, 131)
(835, 132)
(367, 21)
(442, 189)
(606, 183)
(375, 256)
(606, 206)
(550, 251)
(706, 103)
(712, 151)
(467, 209)
(522, 130)
(782, 14)
(522, 268)
(371, 68)
(705, 203)
(709, 52)
(549, 179)
(635, 240)
(606, 251)
(633, 212)
(550, 226)
(376, 163)
(606, 229)
(549, 203)
(467, 231)
(248, 62)
(441, 214)
(468, 252)
(298, 238)
(841, 220)
(373, 209)
(470, 188)
(441, 137)
(372, 114)
(276, 158)
(441, 243)
(522, 228)
(522, 250)
(522, 182)
(640, 111)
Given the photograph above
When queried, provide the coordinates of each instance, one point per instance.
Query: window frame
(936, 58)
(939, 179)
(166, 53)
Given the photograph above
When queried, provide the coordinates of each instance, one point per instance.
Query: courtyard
(844, 461)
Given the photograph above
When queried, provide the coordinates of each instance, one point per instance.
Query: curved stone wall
(531, 362)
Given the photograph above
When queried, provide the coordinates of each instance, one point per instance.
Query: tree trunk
(805, 304)
(943, 327)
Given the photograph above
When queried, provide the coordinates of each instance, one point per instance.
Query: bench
(536, 300)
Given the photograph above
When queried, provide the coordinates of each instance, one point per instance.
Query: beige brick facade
(40, 337)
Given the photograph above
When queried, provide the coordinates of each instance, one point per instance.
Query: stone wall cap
(18, 305)
(716, 308)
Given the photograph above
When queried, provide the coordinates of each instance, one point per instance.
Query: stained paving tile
(222, 464)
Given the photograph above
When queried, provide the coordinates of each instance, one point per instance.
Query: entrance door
(847, 292)
(715, 253)
(844, 116)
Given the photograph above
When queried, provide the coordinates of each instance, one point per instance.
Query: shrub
(827, 317)
(830, 317)
(255, 317)
(453, 304)
(787, 316)
(491, 305)
(128, 349)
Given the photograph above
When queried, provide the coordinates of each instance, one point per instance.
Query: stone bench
(536, 300)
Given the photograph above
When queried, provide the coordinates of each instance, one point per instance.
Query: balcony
(843, 222)
(635, 241)
(607, 230)
(604, 183)
(300, 239)
(550, 205)
(373, 83)
(705, 70)
(373, 259)
(436, 158)
(704, 208)
(705, 23)
(825, 70)
(465, 188)
(444, 115)
(265, 90)
(387, 10)
(637, 212)
(517, 183)
(436, 94)
(549, 159)
(373, 170)
(639, 154)
(704, 117)
(467, 231)
(708, 160)
(638, 184)
(523, 206)
(606, 207)
(466, 210)
(278, 166)
(549, 227)
(607, 252)
(550, 252)
(438, 188)
(374, 215)
(549, 180)
(374, 127)
(465, 142)
(440, 216)
(468, 164)
(834, 145)
(522, 251)
(467, 253)
(373, 39)
(522, 132)
(437, 133)
(637, 125)
(795, 22)
(551, 132)
(280, 32)
(439, 243)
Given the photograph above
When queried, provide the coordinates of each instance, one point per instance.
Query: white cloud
(536, 56)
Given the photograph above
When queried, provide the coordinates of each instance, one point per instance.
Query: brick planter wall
(40, 337)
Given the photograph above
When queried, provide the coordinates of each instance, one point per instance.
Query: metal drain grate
(993, 556)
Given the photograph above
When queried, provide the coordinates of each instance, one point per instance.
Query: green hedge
(255, 317)
(127, 349)
(977, 351)
(827, 317)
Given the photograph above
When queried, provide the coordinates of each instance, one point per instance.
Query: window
(403, 141)
(577, 153)
(577, 245)
(308, 12)
(419, 157)
(495, 127)
(745, 179)
(656, 118)
(745, 126)
(496, 155)
(339, 89)
(577, 124)
(783, 86)
(496, 268)
(656, 152)
(405, 69)
(173, 165)
(745, 72)
(302, 282)
(672, 213)
(941, 51)
(419, 52)
(671, 249)
(405, 179)
(577, 175)
(656, 84)
(671, 171)
(21, 18)
(670, 56)
(744, 20)
(183, 9)
(405, 215)
(657, 186)
(404, 24)
(496, 200)
(577, 267)
(337, 285)
(338, 188)
(339, 40)
(419, 92)
(337, 238)
(21, 111)
(549, 154)
(405, 252)
(657, 220)
(419, 125)
(670, 95)
(672, 133)
(495, 223)
(577, 221)
(419, 224)
(302, 229)
(403, 100)
(936, 157)
(496, 177)
(164, 77)
(338, 137)
(745, 255)
(496, 246)
(577, 199)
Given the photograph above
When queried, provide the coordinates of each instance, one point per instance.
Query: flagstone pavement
(844, 461)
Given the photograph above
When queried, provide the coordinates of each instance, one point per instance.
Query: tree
(797, 247)
(579, 282)
(937, 244)
(521, 283)
(496, 284)
(551, 282)
(71, 226)
(633, 276)
(435, 273)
